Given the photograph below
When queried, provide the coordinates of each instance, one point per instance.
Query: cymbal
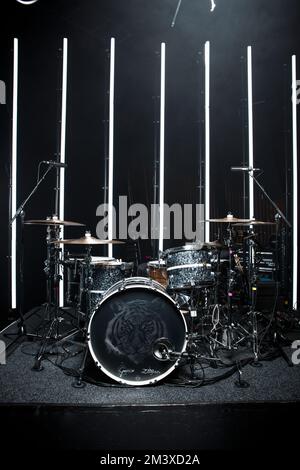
(229, 219)
(53, 221)
(88, 240)
(215, 244)
(254, 222)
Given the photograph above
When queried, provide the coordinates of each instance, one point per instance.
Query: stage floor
(274, 381)
(44, 408)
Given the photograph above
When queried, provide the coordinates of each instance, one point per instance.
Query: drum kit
(138, 329)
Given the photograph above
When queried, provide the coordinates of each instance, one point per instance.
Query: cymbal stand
(230, 280)
(227, 329)
(253, 292)
(52, 310)
(87, 284)
(12, 218)
(279, 216)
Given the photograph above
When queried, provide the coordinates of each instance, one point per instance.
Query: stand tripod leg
(240, 383)
(39, 356)
(281, 350)
(255, 362)
(78, 383)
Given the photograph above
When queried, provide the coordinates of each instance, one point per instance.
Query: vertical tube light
(14, 175)
(250, 131)
(295, 184)
(63, 154)
(111, 146)
(207, 139)
(162, 146)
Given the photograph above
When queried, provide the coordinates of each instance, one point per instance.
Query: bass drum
(131, 317)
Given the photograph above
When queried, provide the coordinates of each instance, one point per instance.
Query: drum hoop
(107, 263)
(196, 247)
(187, 266)
(151, 284)
(156, 264)
(161, 290)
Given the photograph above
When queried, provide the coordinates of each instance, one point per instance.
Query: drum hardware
(88, 282)
(20, 212)
(226, 333)
(240, 383)
(53, 313)
(252, 276)
(278, 217)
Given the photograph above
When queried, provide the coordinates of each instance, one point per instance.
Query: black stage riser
(224, 426)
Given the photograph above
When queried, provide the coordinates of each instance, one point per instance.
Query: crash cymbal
(229, 219)
(254, 222)
(88, 240)
(53, 221)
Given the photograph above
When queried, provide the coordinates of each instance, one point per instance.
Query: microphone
(57, 164)
(162, 349)
(244, 168)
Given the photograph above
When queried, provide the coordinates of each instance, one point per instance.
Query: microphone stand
(250, 172)
(279, 215)
(20, 212)
(176, 14)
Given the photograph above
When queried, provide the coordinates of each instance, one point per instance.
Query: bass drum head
(124, 328)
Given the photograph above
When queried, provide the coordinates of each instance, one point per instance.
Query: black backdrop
(139, 27)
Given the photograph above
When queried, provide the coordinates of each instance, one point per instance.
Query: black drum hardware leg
(240, 383)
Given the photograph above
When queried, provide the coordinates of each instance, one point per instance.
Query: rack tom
(189, 266)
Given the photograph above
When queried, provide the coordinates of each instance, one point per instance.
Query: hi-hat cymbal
(88, 240)
(254, 222)
(53, 221)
